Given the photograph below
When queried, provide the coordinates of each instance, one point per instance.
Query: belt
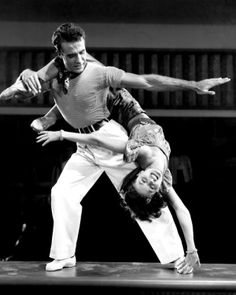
(91, 128)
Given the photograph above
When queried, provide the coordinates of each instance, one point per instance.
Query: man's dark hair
(68, 32)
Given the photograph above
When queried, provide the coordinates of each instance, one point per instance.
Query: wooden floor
(117, 278)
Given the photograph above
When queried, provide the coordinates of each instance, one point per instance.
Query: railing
(185, 64)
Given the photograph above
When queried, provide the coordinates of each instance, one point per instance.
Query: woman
(143, 189)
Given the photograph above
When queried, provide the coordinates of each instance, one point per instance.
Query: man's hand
(31, 81)
(42, 123)
(203, 86)
(187, 265)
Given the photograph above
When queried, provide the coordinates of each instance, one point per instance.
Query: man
(80, 90)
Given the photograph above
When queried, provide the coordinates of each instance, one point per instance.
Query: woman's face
(148, 182)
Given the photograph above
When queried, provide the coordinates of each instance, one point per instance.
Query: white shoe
(60, 264)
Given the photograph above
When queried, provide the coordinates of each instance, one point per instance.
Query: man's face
(74, 55)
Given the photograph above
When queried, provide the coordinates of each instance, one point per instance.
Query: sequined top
(147, 132)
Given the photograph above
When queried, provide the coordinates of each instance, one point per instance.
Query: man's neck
(73, 75)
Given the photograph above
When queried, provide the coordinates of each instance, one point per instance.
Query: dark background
(121, 11)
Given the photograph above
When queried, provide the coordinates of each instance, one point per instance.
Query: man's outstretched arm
(154, 82)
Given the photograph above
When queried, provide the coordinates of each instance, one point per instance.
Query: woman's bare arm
(186, 224)
(112, 143)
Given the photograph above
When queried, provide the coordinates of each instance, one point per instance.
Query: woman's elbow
(183, 211)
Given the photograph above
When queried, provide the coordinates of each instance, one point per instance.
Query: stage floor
(107, 277)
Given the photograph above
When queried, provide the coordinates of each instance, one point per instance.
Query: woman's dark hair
(68, 32)
(137, 205)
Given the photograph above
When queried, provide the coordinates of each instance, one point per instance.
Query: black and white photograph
(118, 146)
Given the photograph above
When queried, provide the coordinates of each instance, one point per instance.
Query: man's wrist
(194, 86)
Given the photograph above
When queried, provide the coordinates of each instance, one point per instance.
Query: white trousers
(80, 173)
